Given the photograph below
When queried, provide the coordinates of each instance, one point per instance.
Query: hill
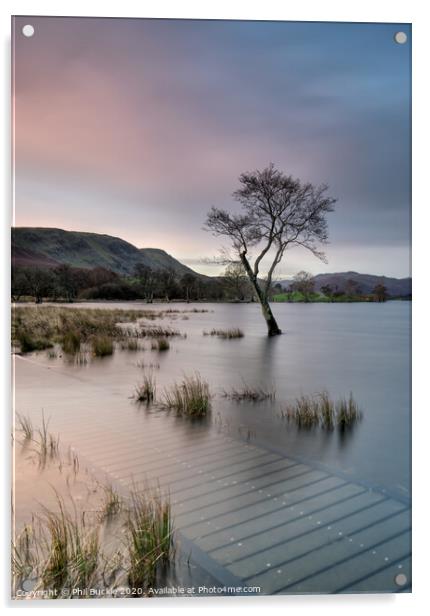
(396, 287)
(49, 247)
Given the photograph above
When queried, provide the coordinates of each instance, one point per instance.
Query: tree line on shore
(67, 283)
(302, 288)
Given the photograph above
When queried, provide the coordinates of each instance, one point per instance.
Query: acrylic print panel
(211, 308)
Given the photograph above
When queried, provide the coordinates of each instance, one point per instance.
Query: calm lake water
(359, 348)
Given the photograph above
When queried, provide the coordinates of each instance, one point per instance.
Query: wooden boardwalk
(254, 517)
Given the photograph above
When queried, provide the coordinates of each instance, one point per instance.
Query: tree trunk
(272, 326)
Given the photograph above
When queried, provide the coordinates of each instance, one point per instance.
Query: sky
(135, 128)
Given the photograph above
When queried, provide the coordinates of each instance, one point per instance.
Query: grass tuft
(248, 393)
(130, 344)
(145, 391)
(191, 397)
(149, 535)
(321, 410)
(102, 346)
(111, 505)
(72, 551)
(226, 334)
(71, 343)
(163, 344)
(29, 343)
(26, 426)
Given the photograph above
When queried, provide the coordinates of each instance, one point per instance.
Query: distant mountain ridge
(396, 287)
(50, 247)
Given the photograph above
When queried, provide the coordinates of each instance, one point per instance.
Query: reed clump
(146, 390)
(102, 346)
(191, 397)
(71, 343)
(163, 344)
(149, 536)
(61, 549)
(157, 331)
(129, 344)
(47, 444)
(72, 550)
(111, 505)
(25, 425)
(249, 394)
(321, 410)
(28, 343)
(39, 327)
(226, 334)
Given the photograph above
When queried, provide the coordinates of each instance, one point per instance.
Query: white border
(414, 11)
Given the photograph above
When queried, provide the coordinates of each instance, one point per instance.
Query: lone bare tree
(278, 212)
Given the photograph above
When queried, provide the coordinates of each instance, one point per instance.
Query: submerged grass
(191, 397)
(39, 327)
(102, 346)
(71, 343)
(28, 343)
(46, 445)
(321, 410)
(25, 426)
(157, 331)
(163, 344)
(146, 391)
(112, 503)
(226, 334)
(248, 393)
(129, 344)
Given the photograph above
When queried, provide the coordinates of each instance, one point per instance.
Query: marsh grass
(62, 550)
(226, 334)
(320, 410)
(24, 558)
(72, 550)
(150, 366)
(71, 343)
(163, 344)
(347, 412)
(111, 505)
(25, 426)
(29, 343)
(249, 393)
(102, 346)
(157, 331)
(38, 327)
(65, 548)
(47, 445)
(149, 537)
(191, 397)
(146, 391)
(130, 343)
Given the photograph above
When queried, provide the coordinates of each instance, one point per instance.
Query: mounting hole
(28, 30)
(401, 38)
(400, 579)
